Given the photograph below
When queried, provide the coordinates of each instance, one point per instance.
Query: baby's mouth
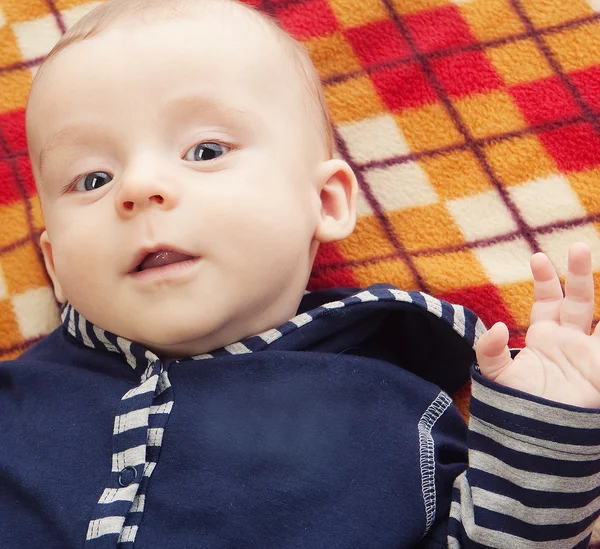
(161, 258)
(155, 258)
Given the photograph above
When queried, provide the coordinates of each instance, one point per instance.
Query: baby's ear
(337, 193)
(49, 261)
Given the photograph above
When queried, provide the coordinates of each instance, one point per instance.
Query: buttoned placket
(137, 437)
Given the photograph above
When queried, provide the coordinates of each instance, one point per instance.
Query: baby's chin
(169, 342)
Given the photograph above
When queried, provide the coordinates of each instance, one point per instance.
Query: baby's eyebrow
(66, 134)
(183, 103)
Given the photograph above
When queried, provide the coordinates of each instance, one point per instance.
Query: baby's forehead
(244, 35)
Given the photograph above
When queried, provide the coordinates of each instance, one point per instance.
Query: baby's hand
(561, 360)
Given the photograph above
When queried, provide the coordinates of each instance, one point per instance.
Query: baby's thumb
(493, 354)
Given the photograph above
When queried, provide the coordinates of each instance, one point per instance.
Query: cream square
(71, 16)
(482, 215)
(363, 208)
(2, 19)
(374, 139)
(506, 261)
(401, 186)
(37, 37)
(556, 245)
(595, 4)
(33, 70)
(547, 200)
(36, 312)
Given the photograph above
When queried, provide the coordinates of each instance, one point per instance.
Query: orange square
(456, 174)
(492, 19)
(69, 4)
(488, 114)
(519, 62)
(24, 10)
(23, 269)
(9, 327)
(518, 299)
(412, 6)
(547, 13)
(14, 226)
(9, 52)
(392, 271)
(358, 12)
(426, 228)
(15, 86)
(585, 185)
(368, 241)
(37, 217)
(332, 55)
(576, 48)
(519, 159)
(11, 355)
(451, 271)
(353, 100)
(428, 127)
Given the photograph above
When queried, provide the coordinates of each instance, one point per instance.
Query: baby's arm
(533, 479)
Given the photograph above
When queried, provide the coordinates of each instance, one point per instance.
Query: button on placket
(127, 475)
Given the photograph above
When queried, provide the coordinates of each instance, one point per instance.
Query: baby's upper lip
(141, 254)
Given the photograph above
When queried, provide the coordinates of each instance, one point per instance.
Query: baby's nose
(129, 205)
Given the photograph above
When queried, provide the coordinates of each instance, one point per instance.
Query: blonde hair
(112, 11)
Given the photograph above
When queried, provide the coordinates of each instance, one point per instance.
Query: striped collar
(463, 321)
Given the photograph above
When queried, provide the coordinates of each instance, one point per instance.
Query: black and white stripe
(523, 487)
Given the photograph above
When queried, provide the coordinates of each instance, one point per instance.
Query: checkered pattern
(473, 127)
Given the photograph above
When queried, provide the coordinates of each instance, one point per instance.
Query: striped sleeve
(533, 479)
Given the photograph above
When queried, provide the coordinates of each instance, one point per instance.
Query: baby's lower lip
(173, 270)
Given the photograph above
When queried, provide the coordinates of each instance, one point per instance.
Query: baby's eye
(92, 181)
(206, 151)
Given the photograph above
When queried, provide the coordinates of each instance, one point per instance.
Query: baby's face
(184, 136)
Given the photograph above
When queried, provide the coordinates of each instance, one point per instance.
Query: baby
(194, 395)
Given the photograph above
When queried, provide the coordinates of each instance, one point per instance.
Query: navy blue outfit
(334, 430)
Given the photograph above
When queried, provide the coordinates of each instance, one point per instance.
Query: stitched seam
(427, 454)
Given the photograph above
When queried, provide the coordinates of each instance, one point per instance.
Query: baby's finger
(577, 309)
(493, 354)
(547, 291)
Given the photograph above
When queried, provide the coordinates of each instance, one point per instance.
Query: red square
(545, 100)
(485, 301)
(12, 130)
(25, 175)
(466, 73)
(439, 29)
(404, 86)
(575, 147)
(9, 191)
(377, 42)
(307, 19)
(517, 341)
(588, 84)
(329, 270)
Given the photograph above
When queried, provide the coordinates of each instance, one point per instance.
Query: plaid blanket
(473, 127)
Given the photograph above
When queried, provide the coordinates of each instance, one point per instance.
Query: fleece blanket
(473, 127)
